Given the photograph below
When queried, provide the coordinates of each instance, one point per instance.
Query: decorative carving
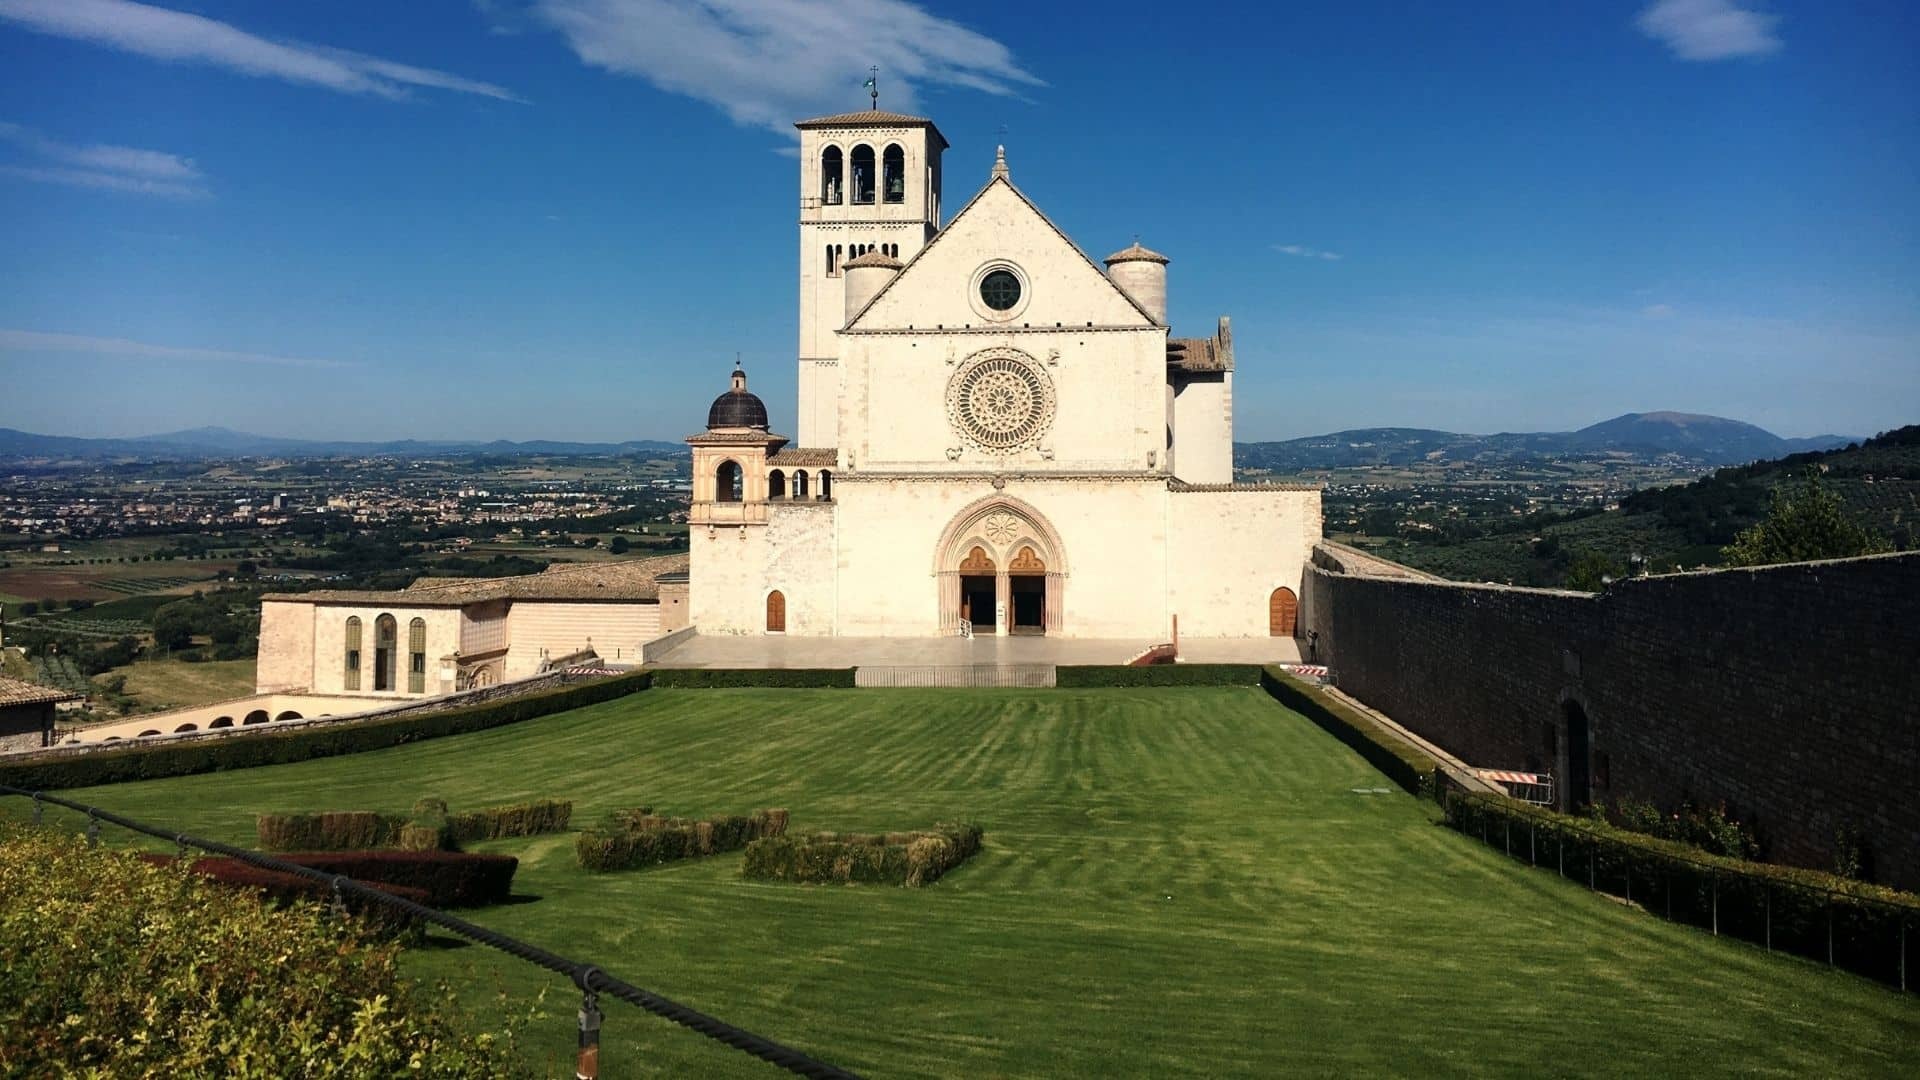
(954, 452)
(1027, 562)
(1001, 528)
(1000, 401)
(999, 482)
(976, 562)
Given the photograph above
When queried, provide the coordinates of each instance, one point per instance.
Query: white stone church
(994, 438)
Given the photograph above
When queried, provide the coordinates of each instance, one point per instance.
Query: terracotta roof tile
(16, 692)
(621, 579)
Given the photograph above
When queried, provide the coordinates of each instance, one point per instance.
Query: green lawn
(1175, 882)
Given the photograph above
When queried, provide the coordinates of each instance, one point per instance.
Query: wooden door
(776, 613)
(1282, 609)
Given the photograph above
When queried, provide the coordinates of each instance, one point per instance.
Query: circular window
(1000, 290)
(1000, 401)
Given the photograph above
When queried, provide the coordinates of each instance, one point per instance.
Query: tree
(1802, 524)
(618, 545)
(1590, 571)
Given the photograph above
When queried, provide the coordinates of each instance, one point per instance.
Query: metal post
(1507, 837)
(1669, 885)
(39, 810)
(1627, 863)
(1532, 854)
(93, 830)
(1560, 852)
(587, 1065)
(1593, 850)
(1903, 954)
(1829, 931)
(339, 901)
(1715, 879)
(1769, 916)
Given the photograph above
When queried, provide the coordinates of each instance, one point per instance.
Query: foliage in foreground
(911, 859)
(1801, 525)
(112, 966)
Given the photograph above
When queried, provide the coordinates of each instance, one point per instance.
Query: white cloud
(1709, 29)
(36, 341)
(1301, 251)
(1657, 311)
(178, 36)
(109, 168)
(769, 63)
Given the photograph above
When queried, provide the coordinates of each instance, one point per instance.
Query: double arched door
(1001, 570)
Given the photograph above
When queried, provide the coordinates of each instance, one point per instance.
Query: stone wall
(1788, 692)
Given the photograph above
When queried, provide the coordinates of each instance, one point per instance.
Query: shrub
(638, 837)
(1089, 675)
(910, 859)
(513, 819)
(718, 678)
(284, 888)
(332, 830)
(110, 966)
(450, 878)
(1404, 763)
(47, 772)
(1817, 915)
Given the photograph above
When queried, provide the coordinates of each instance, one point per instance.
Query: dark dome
(737, 408)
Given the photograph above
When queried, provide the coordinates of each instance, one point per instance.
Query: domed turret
(737, 408)
(1142, 274)
(866, 276)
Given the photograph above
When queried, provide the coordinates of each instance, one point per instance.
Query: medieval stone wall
(1788, 692)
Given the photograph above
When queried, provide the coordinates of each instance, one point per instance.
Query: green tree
(1808, 522)
(618, 545)
(1590, 571)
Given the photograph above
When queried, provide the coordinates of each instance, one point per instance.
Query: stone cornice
(1001, 328)
(1006, 477)
(1181, 486)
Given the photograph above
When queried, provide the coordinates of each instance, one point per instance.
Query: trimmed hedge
(1405, 764)
(512, 819)
(1087, 675)
(277, 747)
(640, 838)
(450, 878)
(910, 859)
(720, 678)
(330, 830)
(284, 887)
(1855, 925)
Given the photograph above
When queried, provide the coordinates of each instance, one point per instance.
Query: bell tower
(869, 182)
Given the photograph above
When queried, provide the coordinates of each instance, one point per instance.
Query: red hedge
(282, 886)
(450, 878)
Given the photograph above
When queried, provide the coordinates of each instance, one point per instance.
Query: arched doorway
(776, 612)
(1283, 611)
(1001, 569)
(1579, 790)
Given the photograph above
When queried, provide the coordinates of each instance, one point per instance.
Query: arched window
(726, 482)
(862, 174)
(417, 656)
(350, 678)
(257, 716)
(776, 485)
(776, 612)
(799, 483)
(826, 484)
(221, 722)
(830, 178)
(288, 715)
(386, 631)
(893, 178)
(183, 728)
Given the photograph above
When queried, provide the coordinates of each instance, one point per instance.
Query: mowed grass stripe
(1175, 881)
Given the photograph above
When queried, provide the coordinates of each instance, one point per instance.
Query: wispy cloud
(180, 37)
(1301, 251)
(769, 64)
(36, 341)
(97, 165)
(1657, 311)
(1709, 29)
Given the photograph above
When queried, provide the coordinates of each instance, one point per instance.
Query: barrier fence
(954, 675)
(1855, 932)
(591, 980)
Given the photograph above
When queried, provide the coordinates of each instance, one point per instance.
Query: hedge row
(284, 887)
(511, 819)
(207, 754)
(1086, 675)
(641, 838)
(1851, 924)
(911, 859)
(449, 878)
(721, 678)
(1404, 763)
(331, 830)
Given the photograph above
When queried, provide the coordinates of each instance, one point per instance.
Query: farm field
(172, 684)
(1175, 882)
(108, 581)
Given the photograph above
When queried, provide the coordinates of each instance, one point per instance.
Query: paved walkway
(780, 651)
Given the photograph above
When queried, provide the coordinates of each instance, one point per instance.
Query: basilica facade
(994, 435)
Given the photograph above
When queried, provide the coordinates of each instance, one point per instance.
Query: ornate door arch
(1006, 538)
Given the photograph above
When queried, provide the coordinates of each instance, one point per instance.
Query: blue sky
(563, 218)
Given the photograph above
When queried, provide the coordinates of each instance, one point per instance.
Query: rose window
(1000, 401)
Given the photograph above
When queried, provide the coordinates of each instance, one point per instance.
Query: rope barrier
(591, 980)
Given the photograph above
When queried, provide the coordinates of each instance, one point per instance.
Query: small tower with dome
(730, 459)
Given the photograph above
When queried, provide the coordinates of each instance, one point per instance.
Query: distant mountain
(219, 442)
(1704, 440)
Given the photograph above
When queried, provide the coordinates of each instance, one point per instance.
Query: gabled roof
(620, 579)
(999, 177)
(873, 118)
(16, 692)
